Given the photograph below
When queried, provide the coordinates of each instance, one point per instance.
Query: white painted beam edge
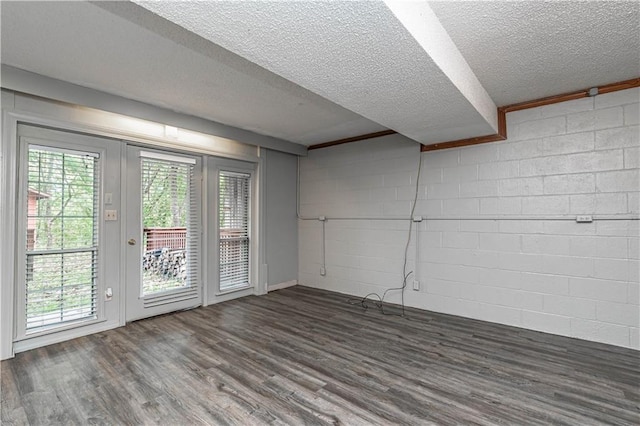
(425, 27)
(39, 85)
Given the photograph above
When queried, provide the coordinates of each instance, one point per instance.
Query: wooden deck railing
(159, 238)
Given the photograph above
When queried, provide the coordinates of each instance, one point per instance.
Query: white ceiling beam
(423, 24)
(391, 63)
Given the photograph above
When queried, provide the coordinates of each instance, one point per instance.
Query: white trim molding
(280, 286)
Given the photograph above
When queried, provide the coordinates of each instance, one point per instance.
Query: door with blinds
(60, 239)
(163, 233)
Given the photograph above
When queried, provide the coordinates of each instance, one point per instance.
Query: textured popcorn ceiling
(310, 72)
(356, 54)
(526, 50)
(146, 58)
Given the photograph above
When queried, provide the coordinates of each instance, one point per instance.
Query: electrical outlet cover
(111, 215)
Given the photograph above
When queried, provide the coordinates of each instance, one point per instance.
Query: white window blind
(233, 213)
(171, 234)
(61, 237)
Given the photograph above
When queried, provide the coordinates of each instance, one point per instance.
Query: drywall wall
(281, 227)
(531, 267)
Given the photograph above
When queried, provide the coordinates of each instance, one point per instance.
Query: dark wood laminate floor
(304, 356)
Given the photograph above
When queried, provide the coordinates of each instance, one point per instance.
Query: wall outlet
(416, 285)
(111, 215)
(584, 219)
(323, 271)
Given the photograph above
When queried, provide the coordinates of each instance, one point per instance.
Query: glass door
(66, 252)
(60, 204)
(163, 233)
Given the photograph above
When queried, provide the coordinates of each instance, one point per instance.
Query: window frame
(20, 324)
(236, 166)
(245, 238)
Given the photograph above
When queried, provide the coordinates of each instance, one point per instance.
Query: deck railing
(165, 258)
(159, 238)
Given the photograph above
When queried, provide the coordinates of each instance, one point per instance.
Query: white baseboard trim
(280, 286)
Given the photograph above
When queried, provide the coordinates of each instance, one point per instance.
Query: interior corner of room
(413, 187)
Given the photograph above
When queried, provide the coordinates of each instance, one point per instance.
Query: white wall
(281, 230)
(575, 279)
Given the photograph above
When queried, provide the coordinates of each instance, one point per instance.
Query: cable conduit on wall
(416, 261)
(324, 261)
(492, 218)
(324, 219)
(420, 218)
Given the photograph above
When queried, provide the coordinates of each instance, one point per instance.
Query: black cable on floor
(379, 303)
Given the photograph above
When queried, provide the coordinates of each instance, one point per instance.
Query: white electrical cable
(417, 258)
(323, 268)
(406, 247)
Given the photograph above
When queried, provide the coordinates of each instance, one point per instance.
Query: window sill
(59, 328)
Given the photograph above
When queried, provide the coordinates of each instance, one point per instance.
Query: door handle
(131, 242)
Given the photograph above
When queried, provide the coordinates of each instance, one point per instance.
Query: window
(170, 228)
(61, 237)
(233, 216)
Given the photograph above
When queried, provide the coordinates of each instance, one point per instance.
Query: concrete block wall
(495, 244)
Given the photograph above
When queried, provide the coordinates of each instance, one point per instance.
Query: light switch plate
(108, 198)
(111, 215)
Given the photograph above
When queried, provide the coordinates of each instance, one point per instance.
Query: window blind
(61, 236)
(233, 214)
(171, 232)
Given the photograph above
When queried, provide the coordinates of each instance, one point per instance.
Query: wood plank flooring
(304, 356)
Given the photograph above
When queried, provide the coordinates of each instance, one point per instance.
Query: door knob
(132, 242)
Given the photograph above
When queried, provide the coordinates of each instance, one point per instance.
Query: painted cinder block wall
(579, 157)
